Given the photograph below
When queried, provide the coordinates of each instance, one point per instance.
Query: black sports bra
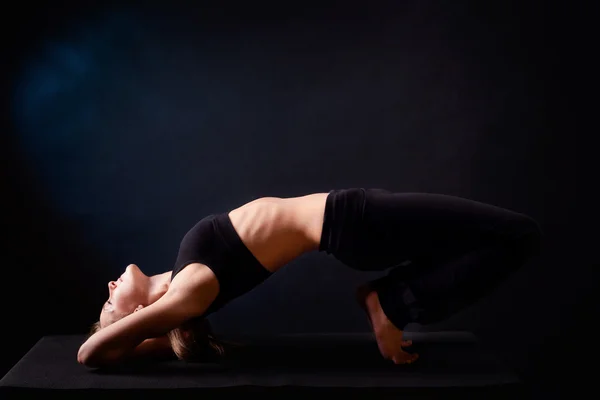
(214, 242)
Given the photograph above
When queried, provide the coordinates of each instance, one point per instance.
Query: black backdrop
(125, 124)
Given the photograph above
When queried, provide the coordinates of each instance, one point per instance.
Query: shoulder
(194, 288)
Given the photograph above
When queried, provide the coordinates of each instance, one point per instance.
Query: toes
(406, 359)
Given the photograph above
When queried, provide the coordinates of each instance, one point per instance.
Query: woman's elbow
(84, 357)
(94, 359)
(86, 362)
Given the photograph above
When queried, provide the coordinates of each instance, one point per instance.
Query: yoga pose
(443, 253)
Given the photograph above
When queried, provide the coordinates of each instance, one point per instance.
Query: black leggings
(444, 252)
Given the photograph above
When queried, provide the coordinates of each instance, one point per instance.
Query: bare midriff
(278, 230)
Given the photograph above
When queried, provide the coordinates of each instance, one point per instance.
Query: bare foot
(389, 338)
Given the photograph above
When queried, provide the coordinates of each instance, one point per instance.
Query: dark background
(125, 124)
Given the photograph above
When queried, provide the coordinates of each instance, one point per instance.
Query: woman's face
(124, 295)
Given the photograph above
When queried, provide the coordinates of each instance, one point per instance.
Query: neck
(158, 286)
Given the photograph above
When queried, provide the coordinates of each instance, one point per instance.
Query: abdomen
(278, 230)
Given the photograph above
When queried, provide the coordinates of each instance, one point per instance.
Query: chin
(134, 270)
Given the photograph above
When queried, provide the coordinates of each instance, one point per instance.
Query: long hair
(194, 341)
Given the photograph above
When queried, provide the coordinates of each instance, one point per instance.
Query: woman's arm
(119, 340)
(154, 348)
(125, 338)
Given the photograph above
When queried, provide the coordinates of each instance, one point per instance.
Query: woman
(443, 253)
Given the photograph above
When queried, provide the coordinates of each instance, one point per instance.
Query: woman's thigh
(400, 227)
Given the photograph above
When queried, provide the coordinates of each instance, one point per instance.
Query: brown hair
(193, 341)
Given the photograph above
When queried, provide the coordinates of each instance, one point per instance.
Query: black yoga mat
(302, 364)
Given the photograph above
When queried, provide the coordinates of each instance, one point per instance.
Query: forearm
(95, 357)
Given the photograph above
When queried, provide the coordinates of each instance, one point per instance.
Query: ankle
(373, 306)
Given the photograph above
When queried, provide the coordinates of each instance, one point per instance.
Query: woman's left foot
(389, 338)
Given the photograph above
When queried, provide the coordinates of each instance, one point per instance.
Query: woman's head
(128, 294)
(133, 290)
